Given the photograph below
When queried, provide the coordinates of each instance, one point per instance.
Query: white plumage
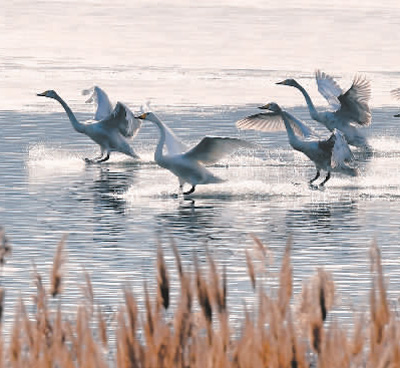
(188, 165)
(351, 109)
(111, 133)
(329, 154)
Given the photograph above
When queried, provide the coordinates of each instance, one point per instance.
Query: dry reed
(278, 334)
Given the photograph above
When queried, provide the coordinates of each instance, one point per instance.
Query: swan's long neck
(79, 127)
(313, 112)
(158, 154)
(294, 141)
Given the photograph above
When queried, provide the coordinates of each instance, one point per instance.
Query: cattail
(2, 296)
(285, 279)
(58, 262)
(250, 269)
(202, 293)
(162, 279)
(5, 247)
(102, 328)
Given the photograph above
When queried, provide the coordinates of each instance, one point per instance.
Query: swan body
(110, 133)
(327, 154)
(351, 110)
(187, 165)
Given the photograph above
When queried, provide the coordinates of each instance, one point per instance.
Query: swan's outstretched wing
(263, 122)
(341, 152)
(354, 103)
(273, 122)
(122, 119)
(211, 149)
(102, 102)
(395, 93)
(328, 88)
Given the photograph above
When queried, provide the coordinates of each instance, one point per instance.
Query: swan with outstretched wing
(327, 154)
(112, 133)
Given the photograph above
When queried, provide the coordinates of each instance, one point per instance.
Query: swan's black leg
(104, 158)
(316, 177)
(191, 190)
(326, 179)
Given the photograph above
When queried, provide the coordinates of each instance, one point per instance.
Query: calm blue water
(202, 69)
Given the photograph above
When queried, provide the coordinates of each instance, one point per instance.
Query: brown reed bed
(198, 334)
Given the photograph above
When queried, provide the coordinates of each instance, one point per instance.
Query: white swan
(330, 154)
(111, 133)
(351, 107)
(187, 165)
(101, 101)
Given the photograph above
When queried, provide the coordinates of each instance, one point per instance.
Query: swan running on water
(111, 132)
(187, 165)
(351, 107)
(329, 154)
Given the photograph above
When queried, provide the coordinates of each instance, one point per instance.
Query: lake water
(202, 68)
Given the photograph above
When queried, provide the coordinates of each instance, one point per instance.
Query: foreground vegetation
(198, 333)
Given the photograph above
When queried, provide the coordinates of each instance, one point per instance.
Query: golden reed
(278, 334)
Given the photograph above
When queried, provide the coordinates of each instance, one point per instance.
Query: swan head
(289, 82)
(272, 106)
(147, 116)
(50, 93)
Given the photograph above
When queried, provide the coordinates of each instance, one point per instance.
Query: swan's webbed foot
(326, 179)
(315, 178)
(190, 191)
(104, 159)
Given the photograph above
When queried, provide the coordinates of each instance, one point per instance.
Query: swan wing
(341, 152)
(122, 119)
(395, 93)
(211, 149)
(263, 122)
(354, 103)
(100, 99)
(273, 122)
(328, 88)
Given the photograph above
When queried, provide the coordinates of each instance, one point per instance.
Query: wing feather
(102, 103)
(122, 119)
(328, 88)
(395, 93)
(263, 122)
(341, 152)
(273, 122)
(354, 103)
(211, 149)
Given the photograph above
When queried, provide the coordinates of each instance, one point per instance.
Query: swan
(351, 107)
(102, 103)
(396, 94)
(111, 132)
(187, 165)
(329, 154)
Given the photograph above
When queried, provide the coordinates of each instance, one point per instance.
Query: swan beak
(264, 107)
(143, 116)
(397, 116)
(41, 94)
(282, 82)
